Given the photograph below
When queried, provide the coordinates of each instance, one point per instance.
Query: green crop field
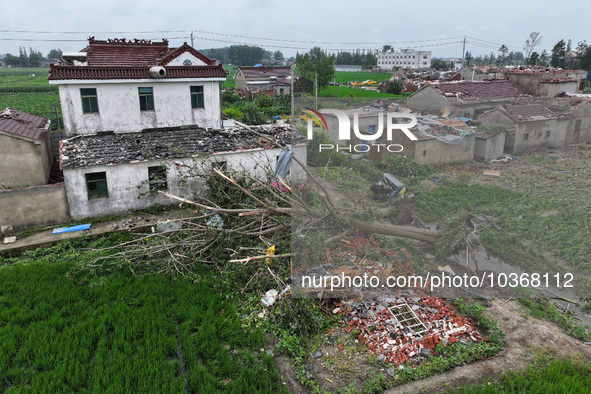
(122, 333)
(343, 91)
(27, 89)
(352, 76)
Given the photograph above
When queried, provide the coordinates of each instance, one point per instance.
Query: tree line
(31, 59)
(243, 55)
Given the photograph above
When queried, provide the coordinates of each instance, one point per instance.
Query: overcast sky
(438, 26)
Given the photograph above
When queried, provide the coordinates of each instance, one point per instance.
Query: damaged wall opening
(96, 184)
(157, 178)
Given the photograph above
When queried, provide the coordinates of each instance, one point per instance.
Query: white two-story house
(130, 85)
(141, 118)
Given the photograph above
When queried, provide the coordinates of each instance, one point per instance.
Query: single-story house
(26, 155)
(263, 79)
(464, 98)
(110, 173)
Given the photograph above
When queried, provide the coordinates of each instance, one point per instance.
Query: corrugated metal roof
(23, 124)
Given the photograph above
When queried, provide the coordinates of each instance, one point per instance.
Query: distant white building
(404, 58)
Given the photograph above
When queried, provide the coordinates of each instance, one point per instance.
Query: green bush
(233, 113)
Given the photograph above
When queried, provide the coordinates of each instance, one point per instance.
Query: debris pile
(406, 328)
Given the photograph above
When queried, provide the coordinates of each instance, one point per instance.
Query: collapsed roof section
(169, 143)
(23, 124)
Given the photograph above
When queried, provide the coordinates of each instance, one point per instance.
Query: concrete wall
(551, 89)
(536, 135)
(24, 162)
(128, 188)
(119, 106)
(428, 98)
(488, 148)
(584, 135)
(531, 82)
(34, 207)
(431, 151)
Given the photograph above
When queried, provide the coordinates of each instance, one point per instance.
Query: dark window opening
(157, 178)
(525, 136)
(197, 97)
(220, 165)
(96, 184)
(89, 101)
(547, 133)
(146, 99)
(577, 125)
(424, 153)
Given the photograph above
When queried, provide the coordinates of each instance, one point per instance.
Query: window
(96, 184)
(220, 165)
(424, 153)
(146, 99)
(577, 125)
(157, 178)
(197, 97)
(525, 136)
(89, 101)
(547, 133)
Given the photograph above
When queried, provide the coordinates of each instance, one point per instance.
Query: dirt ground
(346, 363)
(525, 339)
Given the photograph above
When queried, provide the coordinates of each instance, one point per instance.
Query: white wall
(123, 180)
(119, 107)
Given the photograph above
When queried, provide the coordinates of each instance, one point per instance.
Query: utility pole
(192, 39)
(292, 99)
(316, 84)
(463, 51)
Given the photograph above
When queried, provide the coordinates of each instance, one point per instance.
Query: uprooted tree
(239, 207)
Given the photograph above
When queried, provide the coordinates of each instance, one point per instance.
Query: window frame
(157, 178)
(93, 181)
(197, 92)
(146, 98)
(89, 101)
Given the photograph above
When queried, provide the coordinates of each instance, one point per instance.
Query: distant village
(137, 114)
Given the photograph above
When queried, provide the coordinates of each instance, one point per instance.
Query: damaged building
(536, 122)
(464, 98)
(274, 81)
(110, 173)
(547, 82)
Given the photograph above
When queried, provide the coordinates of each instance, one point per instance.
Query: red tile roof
(23, 124)
(126, 59)
(59, 72)
(530, 112)
(480, 90)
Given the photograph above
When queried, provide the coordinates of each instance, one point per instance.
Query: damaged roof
(24, 124)
(132, 59)
(530, 112)
(470, 91)
(266, 71)
(168, 143)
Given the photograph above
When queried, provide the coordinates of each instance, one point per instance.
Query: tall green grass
(123, 333)
(559, 376)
